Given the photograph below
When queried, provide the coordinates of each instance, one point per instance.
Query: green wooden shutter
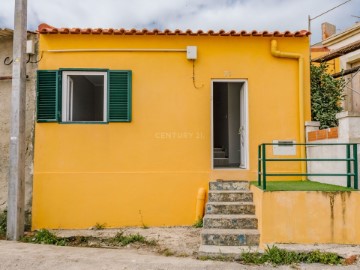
(119, 89)
(47, 101)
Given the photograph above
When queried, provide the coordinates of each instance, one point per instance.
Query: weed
(143, 225)
(3, 222)
(99, 226)
(124, 240)
(277, 256)
(167, 252)
(199, 223)
(44, 236)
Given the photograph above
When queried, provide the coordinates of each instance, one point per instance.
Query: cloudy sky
(186, 14)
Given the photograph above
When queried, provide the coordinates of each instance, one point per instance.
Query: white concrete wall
(5, 109)
(349, 132)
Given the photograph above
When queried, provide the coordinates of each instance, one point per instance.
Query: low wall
(307, 217)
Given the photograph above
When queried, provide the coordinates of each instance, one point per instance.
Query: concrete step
(219, 154)
(226, 208)
(229, 185)
(232, 237)
(230, 196)
(226, 251)
(218, 162)
(230, 221)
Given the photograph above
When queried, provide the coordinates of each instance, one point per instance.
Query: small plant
(44, 236)
(99, 226)
(3, 222)
(124, 240)
(199, 223)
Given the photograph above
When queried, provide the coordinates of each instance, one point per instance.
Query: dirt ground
(174, 241)
(177, 249)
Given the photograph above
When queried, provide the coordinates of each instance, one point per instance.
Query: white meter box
(191, 52)
(284, 148)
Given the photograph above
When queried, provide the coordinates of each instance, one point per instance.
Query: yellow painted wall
(333, 65)
(149, 171)
(307, 217)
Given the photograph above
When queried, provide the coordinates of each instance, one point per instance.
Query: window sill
(84, 122)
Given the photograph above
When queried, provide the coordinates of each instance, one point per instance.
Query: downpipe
(300, 58)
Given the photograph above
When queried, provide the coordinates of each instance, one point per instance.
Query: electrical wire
(193, 77)
(8, 62)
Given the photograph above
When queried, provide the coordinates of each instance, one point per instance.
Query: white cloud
(186, 14)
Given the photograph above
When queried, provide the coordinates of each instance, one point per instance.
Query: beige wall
(5, 109)
(308, 217)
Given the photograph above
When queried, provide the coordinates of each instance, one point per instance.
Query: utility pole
(16, 186)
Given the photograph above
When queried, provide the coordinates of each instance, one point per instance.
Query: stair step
(247, 208)
(230, 221)
(230, 237)
(221, 161)
(218, 149)
(226, 251)
(229, 185)
(219, 154)
(230, 196)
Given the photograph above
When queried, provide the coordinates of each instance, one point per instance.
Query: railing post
(264, 165)
(348, 165)
(259, 165)
(355, 166)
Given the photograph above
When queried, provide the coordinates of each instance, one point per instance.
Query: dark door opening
(228, 125)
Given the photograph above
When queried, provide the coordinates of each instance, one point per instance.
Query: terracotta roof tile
(47, 29)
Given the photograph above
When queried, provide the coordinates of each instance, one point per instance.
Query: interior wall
(98, 103)
(234, 121)
(83, 97)
(220, 115)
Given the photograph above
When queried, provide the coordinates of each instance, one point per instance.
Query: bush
(326, 96)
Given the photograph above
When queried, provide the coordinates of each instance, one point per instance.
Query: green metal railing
(351, 157)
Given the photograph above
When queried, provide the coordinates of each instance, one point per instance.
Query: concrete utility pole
(16, 187)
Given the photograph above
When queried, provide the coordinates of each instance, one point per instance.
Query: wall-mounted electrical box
(191, 52)
(284, 148)
(30, 48)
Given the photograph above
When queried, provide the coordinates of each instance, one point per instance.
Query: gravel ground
(181, 242)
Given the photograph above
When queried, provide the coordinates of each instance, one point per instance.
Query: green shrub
(326, 96)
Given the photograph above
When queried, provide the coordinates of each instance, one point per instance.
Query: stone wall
(6, 48)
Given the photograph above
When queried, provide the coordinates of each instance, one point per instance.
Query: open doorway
(229, 129)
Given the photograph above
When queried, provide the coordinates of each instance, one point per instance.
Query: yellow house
(131, 123)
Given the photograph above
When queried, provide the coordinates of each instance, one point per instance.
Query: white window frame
(67, 91)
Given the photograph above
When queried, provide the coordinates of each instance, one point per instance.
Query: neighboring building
(132, 123)
(344, 48)
(341, 51)
(6, 54)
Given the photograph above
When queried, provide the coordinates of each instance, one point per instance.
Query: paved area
(19, 256)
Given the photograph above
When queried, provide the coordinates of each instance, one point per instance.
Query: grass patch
(124, 240)
(44, 236)
(277, 256)
(301, 186)
(3, 222)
